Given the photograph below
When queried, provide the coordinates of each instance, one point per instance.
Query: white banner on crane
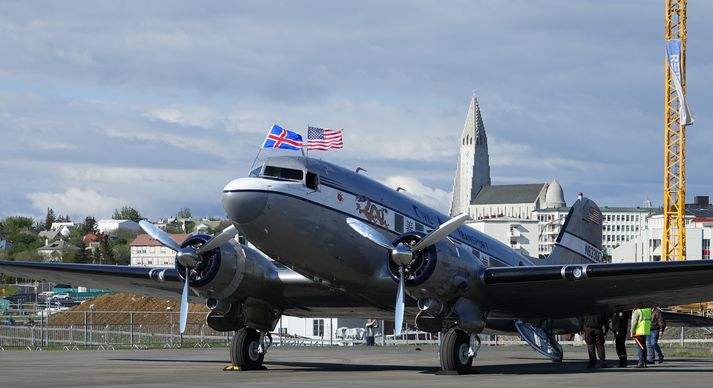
(673, 55)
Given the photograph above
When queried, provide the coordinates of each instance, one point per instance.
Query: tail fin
(580, 239)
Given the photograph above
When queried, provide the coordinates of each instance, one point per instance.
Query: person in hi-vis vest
(640, 329)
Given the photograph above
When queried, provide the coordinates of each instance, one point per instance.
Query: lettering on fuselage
(375, 214)
(472, 240)
(593, 253)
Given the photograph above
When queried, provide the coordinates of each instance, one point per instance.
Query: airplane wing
(121, 278)
(561, 291)
(299, 296)
(686, 320)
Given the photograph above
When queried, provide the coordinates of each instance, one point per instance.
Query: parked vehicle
(57, 297)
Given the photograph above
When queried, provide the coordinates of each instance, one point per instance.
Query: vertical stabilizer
(580, 239)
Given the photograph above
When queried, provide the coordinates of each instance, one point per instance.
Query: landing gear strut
(457, 351)
(248, 348)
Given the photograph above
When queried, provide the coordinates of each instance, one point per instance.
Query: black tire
(243, 349)
(454, 351)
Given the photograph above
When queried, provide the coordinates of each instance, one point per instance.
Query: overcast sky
(157, 105)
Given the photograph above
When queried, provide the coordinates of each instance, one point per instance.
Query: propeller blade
(218, 239)
(399, 318)
(441, 232)
(370, 233)
(158, 234)
(184, 303)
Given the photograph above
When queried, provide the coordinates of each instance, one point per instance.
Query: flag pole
(305, 144)
(261, 148)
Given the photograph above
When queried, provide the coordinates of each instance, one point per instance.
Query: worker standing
(594, 327)
(640, 329)
(620, 328)
(658, 325)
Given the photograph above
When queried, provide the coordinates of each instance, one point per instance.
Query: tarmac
(396, 367)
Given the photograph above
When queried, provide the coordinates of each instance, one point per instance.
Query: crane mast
(674, 231)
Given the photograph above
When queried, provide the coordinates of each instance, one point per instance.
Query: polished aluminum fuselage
(305, 228)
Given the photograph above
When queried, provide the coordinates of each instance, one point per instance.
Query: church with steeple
(512, 208)
(473, 168)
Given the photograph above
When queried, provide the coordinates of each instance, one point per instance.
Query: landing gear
(457, 351)
(247, 349)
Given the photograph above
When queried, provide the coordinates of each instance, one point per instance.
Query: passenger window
(312, 181)
(282, 173)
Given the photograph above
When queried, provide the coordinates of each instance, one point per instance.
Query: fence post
(86, 329)
(131, 328)
(681, 335)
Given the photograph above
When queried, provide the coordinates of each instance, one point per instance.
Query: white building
(647, 246)
(517, 233)
(112, 226)
(148, 252)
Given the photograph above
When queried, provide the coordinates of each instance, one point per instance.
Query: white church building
(508, 213)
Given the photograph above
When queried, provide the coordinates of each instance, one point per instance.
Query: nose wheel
(248, 348)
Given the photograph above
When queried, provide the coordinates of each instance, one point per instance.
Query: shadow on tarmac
(535, 368)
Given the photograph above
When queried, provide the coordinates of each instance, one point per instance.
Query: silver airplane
(332, 242)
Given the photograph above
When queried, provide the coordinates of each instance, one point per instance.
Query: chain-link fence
(88, 330)
(107, 330)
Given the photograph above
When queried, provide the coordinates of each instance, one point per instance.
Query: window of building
(706, 249)
(318, 327)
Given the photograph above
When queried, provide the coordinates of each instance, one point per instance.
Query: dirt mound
(115, 309)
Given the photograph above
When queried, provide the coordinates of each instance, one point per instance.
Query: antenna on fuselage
(360, 169)
(400, 189)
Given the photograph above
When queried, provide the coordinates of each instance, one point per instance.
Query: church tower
(473, 170)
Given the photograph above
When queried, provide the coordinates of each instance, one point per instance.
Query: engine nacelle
(226, 277)
(442, 271)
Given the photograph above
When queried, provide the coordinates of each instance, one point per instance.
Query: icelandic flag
(279, 137)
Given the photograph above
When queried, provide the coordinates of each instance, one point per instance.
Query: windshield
(282, 173)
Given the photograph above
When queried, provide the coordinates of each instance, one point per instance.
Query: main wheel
(455, 345)
(244, 349)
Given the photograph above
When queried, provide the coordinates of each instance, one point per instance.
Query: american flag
(323, 139)
(595, 216)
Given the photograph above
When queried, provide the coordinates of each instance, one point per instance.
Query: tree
(83, 256)
(127, 213)
(184, 213)
(122, 254)
(107, 255)
(89, 226)
(49, 218)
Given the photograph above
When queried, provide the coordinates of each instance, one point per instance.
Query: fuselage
(295, 209)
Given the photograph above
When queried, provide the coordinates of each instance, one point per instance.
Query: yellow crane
(674, 230)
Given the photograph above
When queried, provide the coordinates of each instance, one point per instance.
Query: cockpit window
(312, 181)
(255, 172)
(282, 173)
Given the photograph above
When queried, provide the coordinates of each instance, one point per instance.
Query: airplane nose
(244, 207)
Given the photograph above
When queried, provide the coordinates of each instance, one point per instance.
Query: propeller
(189, 257)
(402, 254)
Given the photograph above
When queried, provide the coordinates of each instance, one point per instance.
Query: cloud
(138, 98)
(433, 197)
(75, 201)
